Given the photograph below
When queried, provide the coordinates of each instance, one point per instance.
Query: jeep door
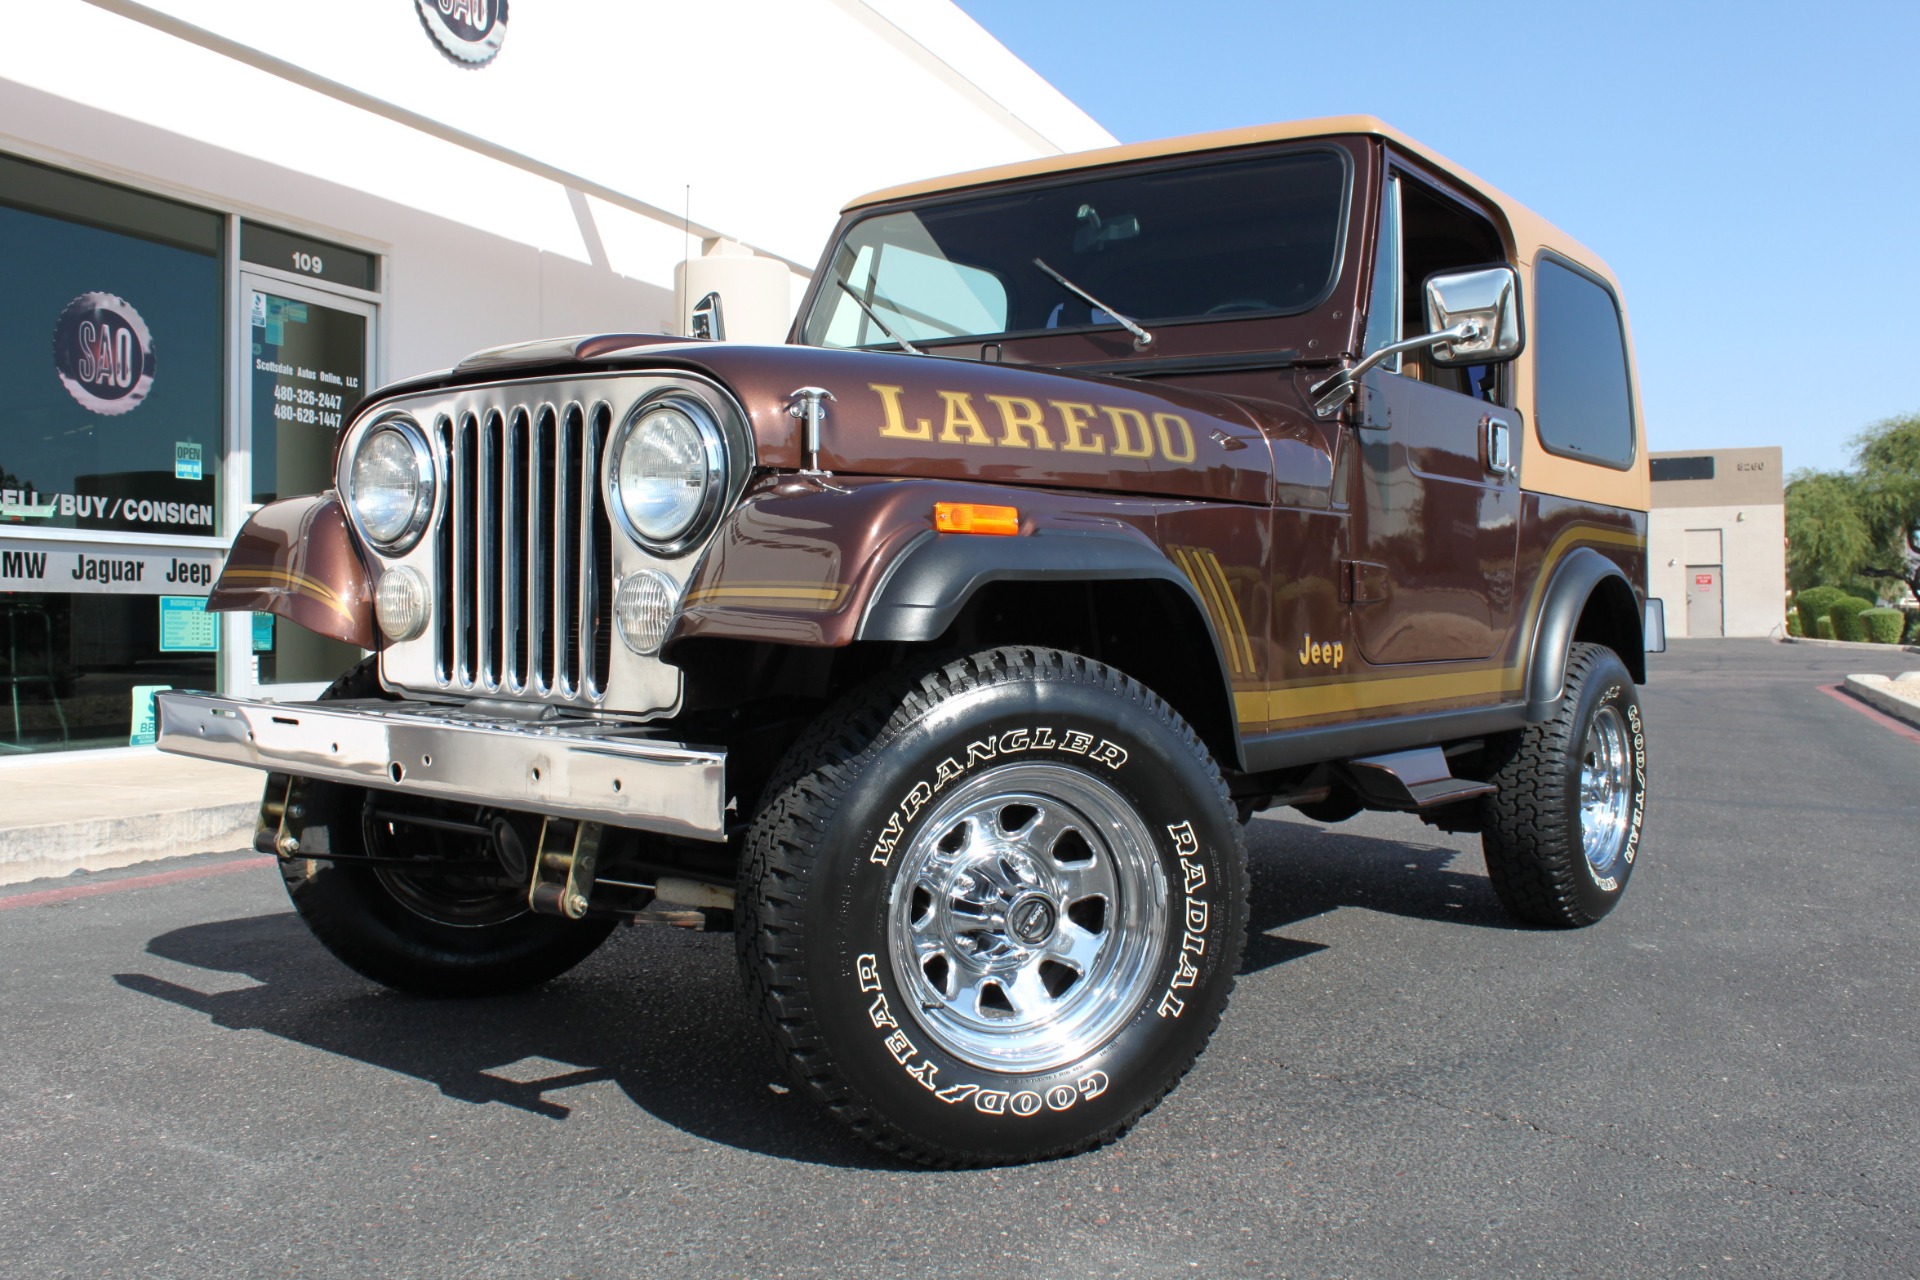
(1435, 517)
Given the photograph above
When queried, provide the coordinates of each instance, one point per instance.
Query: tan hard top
(1544, 471)
(1530, 230)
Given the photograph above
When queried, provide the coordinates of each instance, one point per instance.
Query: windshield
(1241, 238)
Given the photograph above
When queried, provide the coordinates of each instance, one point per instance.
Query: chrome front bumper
(593, 771)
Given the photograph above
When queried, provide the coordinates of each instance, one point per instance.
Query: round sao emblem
(103, 353)
(468, 31)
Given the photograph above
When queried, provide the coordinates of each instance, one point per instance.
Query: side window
(1439, 234)
(1581, 403)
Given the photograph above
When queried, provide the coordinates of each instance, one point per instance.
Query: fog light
(643, 608)
(400, 603)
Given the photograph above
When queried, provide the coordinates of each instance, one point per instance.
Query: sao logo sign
(103, 353)
(468, 31)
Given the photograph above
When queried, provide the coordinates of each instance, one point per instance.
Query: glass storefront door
(306, 360)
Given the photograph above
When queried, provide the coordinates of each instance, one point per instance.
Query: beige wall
(1753, 549)
(1739, 476)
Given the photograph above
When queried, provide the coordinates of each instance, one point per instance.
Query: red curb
(1839, 694)
(68, 893)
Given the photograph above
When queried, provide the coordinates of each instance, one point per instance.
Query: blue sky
(1750, 171)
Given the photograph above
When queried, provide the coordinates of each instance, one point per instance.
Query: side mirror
(709, 324)
(1489, 299)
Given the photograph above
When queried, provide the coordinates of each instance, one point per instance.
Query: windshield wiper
(875, 317)
(1141, 338)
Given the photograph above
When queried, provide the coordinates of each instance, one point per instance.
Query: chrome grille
(524, 553)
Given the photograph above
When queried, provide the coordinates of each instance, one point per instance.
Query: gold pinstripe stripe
(300, 582)
(1366, 693)
(1189, 558)
(1237, 625)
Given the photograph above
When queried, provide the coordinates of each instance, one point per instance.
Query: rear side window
(1581, 402)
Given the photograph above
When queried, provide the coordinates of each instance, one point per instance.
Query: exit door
(1705, 616)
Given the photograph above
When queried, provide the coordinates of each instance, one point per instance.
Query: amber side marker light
(972, 517)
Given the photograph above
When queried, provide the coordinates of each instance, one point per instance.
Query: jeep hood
(894, 414)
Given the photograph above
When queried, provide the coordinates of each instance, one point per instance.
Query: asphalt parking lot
(1723, 1078)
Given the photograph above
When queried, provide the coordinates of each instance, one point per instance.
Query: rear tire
(1562, 831)
(992, 909)
(433, 934)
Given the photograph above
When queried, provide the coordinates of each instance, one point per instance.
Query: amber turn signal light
(973, 517)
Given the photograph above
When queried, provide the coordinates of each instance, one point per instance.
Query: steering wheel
(1240, 304)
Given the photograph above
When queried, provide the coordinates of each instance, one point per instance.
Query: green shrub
(1814, 602)
(1793, 623)
(1883, 625)
(1824, 629)
(1913, 627)
(1845, 613)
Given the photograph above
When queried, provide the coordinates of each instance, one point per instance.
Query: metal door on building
(306, 361)
(1705, 608)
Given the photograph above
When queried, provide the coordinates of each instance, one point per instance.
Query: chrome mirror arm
(1332, 392)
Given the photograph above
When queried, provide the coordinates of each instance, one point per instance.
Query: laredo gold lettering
(895, 427)
(1124, 420)
(961, 417)
(1073, 425)
(1168, 426)
(1017, 414)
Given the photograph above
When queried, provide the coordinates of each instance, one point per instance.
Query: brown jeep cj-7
(1094, 504)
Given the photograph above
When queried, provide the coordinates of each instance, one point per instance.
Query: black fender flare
(933, 578)
(1574, 582)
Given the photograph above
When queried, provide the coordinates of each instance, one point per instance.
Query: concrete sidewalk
(93, 812)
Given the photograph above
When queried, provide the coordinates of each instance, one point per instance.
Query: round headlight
(668, 467)
(390, 486)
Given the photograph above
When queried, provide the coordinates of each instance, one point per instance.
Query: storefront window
(111, 376)
(110, 357)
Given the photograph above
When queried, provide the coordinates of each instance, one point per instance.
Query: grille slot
(525, 553)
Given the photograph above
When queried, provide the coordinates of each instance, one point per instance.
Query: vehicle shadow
(657, 1011)
(1299, 870)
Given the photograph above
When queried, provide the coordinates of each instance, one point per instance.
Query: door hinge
(1362, 582)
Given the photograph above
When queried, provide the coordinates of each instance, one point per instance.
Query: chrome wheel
(1606, 791)
(1028, 917)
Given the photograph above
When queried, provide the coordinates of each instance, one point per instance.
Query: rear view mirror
(1488, 298)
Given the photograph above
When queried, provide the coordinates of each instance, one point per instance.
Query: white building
(222, 220)
(1717, 541)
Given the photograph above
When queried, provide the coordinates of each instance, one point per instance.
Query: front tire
(432, 933)
(991, 910)
(1562, 831)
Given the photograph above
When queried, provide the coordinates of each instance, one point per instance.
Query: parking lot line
(68, 893)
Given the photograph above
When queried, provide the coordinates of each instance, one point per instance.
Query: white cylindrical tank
(755, 302)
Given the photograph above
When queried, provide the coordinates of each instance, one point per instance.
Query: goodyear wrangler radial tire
(385, 927)
(991, 909)
(1562, 830)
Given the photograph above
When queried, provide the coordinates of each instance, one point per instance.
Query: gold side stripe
(1237, 625)
(300, 582)
(1371, 693)
(1186, 558)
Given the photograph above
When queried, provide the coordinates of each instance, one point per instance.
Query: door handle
(1499, 447)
